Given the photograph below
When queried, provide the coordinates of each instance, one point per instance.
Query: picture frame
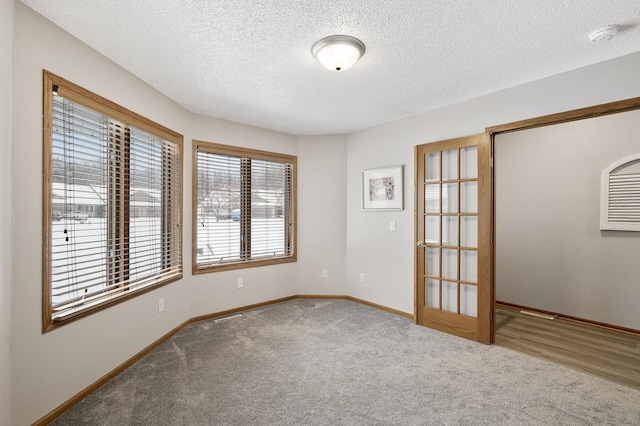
(382, 188)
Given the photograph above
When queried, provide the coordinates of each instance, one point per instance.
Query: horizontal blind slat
(118, 189)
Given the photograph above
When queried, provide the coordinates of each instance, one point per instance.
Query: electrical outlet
(160, 305)
(240, 283)
(392, 226)
(325, 273)
(361, 277)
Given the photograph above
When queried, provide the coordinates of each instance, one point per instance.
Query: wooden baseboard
(320, 296)
(578, 320)
(384, 308)
(355, 299)
(119, 369)
(104, 379)
(240, 309)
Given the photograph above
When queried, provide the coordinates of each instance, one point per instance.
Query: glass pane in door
(469, 231)
(450, 230)
(469, 197)
(469, 163)
(432, 293)
(449, 296)
(432, 229)
(449, 198)
(450, 263)
(432, 198)
(432, 166)
(432, 261)
(469, 265)
(469, 300)
(450, 165)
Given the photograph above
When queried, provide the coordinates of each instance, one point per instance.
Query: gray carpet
(335, 362)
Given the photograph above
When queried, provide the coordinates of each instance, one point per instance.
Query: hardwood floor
(605, 353)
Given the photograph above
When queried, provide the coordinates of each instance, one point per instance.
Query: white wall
(322, 214)
(51, 368)
(550, 252)
(387, 258)
(218, 291)
(6, 62)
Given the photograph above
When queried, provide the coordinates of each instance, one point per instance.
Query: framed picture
(382, 188)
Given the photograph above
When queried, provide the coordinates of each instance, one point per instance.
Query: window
(243, 207)
(620, 195)
(112, 203)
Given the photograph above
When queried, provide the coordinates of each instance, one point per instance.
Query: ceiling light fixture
(338, 52)
(603, 34)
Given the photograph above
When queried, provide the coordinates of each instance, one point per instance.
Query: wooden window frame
(97, 103)
(245, 220)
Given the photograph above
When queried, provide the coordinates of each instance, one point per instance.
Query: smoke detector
(603, 34)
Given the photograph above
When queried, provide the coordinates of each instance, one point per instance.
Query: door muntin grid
(451, 230)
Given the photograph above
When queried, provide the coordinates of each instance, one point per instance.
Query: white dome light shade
(338, 53)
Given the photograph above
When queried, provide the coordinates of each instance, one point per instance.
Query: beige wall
(6, 41)
(335, 235)
(550, 252)
(322, 214)
(49, 369)
(386, 258)
(218, 291)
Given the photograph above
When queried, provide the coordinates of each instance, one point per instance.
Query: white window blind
(115, 210)
(270, 208)
(219, 182)
(620, 195)
(244, 208)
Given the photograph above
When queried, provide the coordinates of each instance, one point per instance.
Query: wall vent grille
(620, 196)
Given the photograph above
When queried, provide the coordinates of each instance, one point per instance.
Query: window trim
(86, 98)
(216, 148)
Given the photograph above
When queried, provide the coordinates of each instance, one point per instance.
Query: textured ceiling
(250, 61)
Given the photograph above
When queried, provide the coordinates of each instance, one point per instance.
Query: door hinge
(490, 314)
(491, 239)
(491, 163)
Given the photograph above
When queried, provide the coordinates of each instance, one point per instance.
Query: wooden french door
(454, 290)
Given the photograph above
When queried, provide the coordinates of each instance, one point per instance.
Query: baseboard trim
(355, 299)
(578, 320)
(320, 296)
(119, 369)
(381, 307)
(240, 309)
(104, 379)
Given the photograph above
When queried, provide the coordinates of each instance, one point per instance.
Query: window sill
(205, 269)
